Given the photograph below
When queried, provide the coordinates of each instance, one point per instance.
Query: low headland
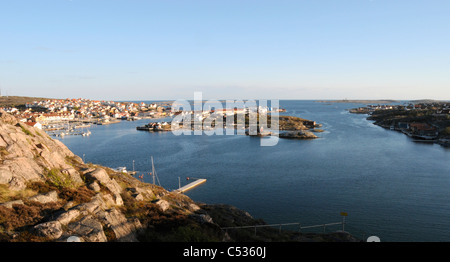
(423, 121)
(360, 101)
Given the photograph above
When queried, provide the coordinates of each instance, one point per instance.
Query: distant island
(381, 101)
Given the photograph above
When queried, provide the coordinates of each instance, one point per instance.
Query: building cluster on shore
(52, 114)
(428, 121)
(437, 107)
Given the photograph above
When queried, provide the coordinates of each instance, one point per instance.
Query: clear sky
(168, 49)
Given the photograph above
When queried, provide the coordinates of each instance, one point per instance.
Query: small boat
(121, 169)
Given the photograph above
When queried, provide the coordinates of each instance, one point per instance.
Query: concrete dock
(190, 185)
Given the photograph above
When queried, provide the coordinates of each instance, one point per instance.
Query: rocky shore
(423, 122)
(48, 194)
(292, 127)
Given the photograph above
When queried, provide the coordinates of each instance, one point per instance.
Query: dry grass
(9, 195)
(19, 217)
(78, 195)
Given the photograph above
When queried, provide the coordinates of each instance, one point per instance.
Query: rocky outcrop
(29, 156)
(298, 135)
(100, 176)
(28, 153)
(45, 198)
(90, 221)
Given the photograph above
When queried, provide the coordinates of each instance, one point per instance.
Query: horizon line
(225, 99)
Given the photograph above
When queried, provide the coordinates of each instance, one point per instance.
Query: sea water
(390, 186)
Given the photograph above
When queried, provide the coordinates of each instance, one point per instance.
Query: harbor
(64, 128)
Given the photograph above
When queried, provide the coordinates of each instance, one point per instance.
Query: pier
(191, 185)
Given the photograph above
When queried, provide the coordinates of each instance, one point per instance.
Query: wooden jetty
(191, 185)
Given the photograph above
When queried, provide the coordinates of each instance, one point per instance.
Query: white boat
(120, 169)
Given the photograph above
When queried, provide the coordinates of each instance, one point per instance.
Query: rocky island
(298, 128)
(288, 126)
(48, 194)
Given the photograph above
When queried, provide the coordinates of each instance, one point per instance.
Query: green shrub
(59, 179)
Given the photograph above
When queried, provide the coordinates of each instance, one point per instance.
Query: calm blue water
(390, 186)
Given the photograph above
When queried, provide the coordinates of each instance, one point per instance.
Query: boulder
(163, 204)
(73, 175)
(51, 230)
(94, 186)
(45, 198)
(138, 197)
(66, 217)
(7, 118)
(9, 204)
(93, 206)
(140, 193)
(90, 228)
(103, 178)
(124, 230)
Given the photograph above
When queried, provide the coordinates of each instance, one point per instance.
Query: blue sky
(304, 49)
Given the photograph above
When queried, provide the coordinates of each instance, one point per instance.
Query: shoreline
(422, 125)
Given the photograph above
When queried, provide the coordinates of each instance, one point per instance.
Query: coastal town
(73, 116)
(427, 121)
(61, 117)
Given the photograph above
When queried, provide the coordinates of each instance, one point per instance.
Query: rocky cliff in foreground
(48, 194)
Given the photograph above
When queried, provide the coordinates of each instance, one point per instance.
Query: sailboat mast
(153, 171)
